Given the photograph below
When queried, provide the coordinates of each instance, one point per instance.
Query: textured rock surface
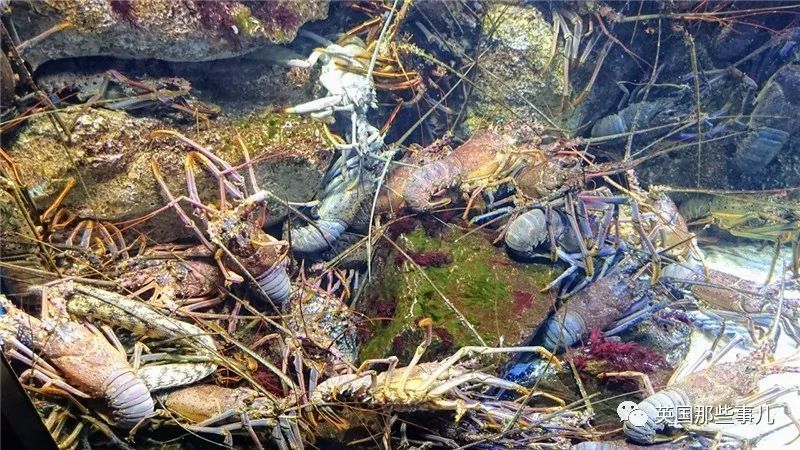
(16, 235)
(513, 73)
(111, 152)
(172, 30)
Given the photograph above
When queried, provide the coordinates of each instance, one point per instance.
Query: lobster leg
(230, 277)
(21, 352)
(320, 108)
(766, 397)
(426, 323)
(290, 433)
(51, 379)
(190, 164)
(633, 318)
(482, 378)
(572, 216)
(227, 169)
(769, 395)
(636, 219)
(495, 213)
(85, 226)
(472, 351)
(181, 213)
(110, 242)
(192, 304)
(605, 226)
(470, 202)
(53, 209)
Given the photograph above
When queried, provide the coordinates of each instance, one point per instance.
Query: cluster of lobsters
(250, 336)
(236, 335)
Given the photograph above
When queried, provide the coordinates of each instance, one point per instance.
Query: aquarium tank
(405, 224)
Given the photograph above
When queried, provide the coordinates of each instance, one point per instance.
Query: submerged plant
(613, 355)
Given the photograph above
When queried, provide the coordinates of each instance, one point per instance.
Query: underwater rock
(453, 31)
(111, 152)
(499, 297)
(7, 81)
(514, 74)
(16, 235)
(189, 30)
(666, 336)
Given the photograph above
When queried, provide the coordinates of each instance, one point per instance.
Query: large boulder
(500, 298)
(110, 155)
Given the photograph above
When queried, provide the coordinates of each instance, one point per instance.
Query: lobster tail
(275, 283)
(563, 330)
(317, 237)
(129, 398)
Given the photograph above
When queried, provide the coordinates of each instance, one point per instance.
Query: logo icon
(629, 411)
(624, 409)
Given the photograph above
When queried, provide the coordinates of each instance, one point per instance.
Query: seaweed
(618, 356)
(276, 16)
(428, 259)
(216, 16)
(124, 9)
(489, 298)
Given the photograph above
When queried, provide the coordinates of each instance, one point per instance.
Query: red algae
(402, 226)
(522, 301)
(216, 16)
(399, 343)
(384, 308)
(445, 216)
(445, 337)
(274, 14)
(124, 9)
(268, 380)
(441, 344)
(618, 356)
(428, 259)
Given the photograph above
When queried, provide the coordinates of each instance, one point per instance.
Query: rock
(7, 82)
(16, 235)
(668, 337)
(514, 77)
(111, 152)
(498, 296)
(20, 248)
(460, 24)
(188, 30)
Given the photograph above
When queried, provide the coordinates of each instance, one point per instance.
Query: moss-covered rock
(500, 298)
(110, 156)
(16, 233)
(514, 74)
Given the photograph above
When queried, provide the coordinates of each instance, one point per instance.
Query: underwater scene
(400, 224)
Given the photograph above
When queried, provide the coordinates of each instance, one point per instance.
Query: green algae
(498, 296)
(245, 22)
(272, 132)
